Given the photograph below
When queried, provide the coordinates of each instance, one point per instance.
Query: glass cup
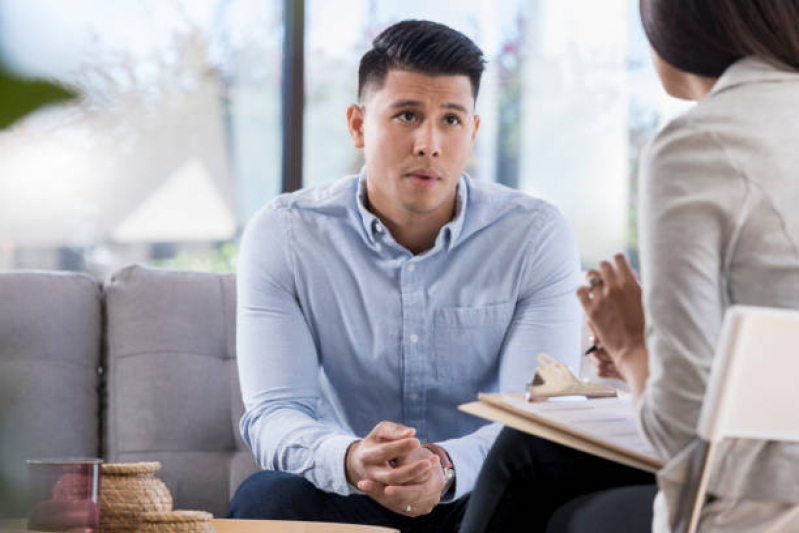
(64, 495)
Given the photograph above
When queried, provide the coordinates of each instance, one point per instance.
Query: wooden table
(279, 526)
(250, 526)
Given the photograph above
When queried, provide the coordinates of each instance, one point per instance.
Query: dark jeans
(270, 495)
(526, 481)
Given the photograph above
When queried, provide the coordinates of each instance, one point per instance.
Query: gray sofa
(139, 368)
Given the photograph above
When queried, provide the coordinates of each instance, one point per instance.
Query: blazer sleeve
(692, 198)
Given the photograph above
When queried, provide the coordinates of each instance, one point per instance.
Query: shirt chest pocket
(468, 340)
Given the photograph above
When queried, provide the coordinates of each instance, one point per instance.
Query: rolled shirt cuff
(333, 453)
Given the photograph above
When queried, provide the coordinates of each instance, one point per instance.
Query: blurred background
(176, 138)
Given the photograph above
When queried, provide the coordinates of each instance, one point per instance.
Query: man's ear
(355, 124)
(476, 127)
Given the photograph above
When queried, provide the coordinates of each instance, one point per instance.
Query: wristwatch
(446, 466)
(449, 477)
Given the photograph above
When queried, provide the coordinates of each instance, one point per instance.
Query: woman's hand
(601, 359)
(604, 365)
(613, 305)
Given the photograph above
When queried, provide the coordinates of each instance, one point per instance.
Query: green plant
(19, 96)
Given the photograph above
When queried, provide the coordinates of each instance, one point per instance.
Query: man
(371, 307)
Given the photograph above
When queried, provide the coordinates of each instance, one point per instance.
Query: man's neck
(416, 232)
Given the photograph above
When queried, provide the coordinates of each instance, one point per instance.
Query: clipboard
(603, 427)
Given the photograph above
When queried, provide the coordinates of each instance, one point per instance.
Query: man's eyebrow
(417, 103)
(456, 107)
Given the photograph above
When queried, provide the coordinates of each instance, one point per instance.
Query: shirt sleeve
(278, 363)
(546, 319)
(692, 200)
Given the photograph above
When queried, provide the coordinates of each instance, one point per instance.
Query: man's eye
(406, 116)
(452, 120)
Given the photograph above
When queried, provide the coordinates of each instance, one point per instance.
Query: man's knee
(272, 495)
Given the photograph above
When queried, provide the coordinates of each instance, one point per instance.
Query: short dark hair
(421, 46)
(705, 37)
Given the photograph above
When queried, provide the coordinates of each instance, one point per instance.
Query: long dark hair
(706, 36)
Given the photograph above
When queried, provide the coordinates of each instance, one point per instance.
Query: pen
(592, 349)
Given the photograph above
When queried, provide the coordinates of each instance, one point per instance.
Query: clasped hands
(393, 468)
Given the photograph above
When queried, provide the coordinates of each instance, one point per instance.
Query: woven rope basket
(176, 522)
(129, 490)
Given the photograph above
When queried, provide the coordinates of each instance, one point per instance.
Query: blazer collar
(752, 69)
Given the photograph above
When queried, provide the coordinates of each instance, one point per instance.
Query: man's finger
(384, 452)
(425, 476)
(409, 493)
(371, 487)
(392, 431)
(399, 475)
(405, 474)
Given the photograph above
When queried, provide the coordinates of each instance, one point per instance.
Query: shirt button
(378, 227)
(411, 267)
(414, 338)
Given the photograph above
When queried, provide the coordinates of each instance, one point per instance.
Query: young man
(371, 307)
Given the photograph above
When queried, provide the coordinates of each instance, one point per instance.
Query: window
(172, 145)
(176, 140)
(568, 98)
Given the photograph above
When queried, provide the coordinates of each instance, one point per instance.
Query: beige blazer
(719, 225)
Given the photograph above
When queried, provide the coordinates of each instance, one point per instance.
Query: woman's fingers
(623, 268)
(606, 368)
(584, 295)
(601, 356)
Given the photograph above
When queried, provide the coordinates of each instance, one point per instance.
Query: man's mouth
(423, 178)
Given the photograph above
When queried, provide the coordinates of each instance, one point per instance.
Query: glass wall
(568, 98)
(171, 145)
(175, 141)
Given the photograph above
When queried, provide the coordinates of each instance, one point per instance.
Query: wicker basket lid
(176, 516)
(176, 522)
(131, 468)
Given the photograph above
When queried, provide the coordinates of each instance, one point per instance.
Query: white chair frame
(754, 377)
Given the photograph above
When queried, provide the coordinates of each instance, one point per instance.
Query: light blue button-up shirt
(340, 327)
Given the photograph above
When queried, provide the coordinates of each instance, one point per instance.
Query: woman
(718, 226)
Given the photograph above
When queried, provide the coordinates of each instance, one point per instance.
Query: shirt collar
(752, 69)
(450, 231)
(455, 226)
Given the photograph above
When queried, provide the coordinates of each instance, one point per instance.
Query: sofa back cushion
(50, 341)
(171, 382)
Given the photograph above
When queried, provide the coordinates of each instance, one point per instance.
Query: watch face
(449, 475)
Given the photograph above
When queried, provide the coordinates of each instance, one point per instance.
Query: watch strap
(446, 462)
(446, 466)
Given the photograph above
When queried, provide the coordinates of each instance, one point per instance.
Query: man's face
(417, 132)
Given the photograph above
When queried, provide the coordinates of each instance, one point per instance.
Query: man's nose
(428, 141)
